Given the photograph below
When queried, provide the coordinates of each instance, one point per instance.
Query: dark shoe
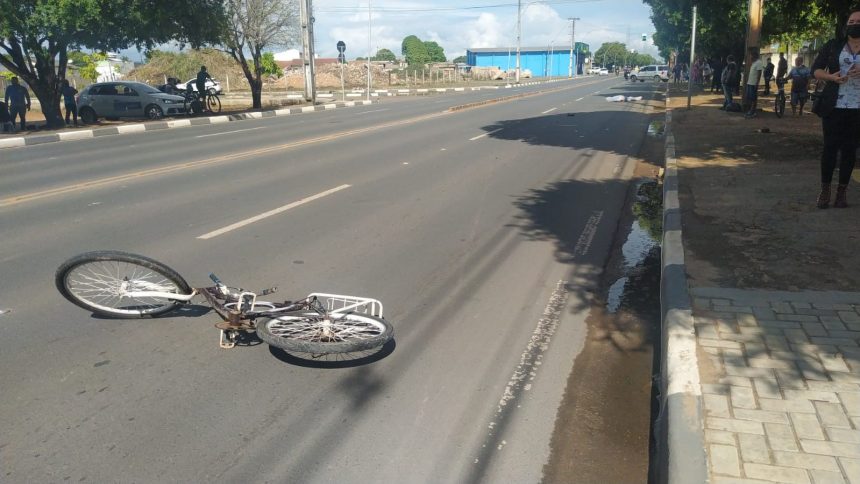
(824, 196)
(841, 199)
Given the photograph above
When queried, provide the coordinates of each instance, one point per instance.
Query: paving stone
(747, 320)
(701, 303)
(838, 449)
(706, 331)
(796, 336)
(766, 388)
(777, 473)
(770, 323)
(758, 348)
(782, 307)
(733, 425)
(777, 343)
(804, 318)
(736, 309)
(716, 406)
(855, 421)
(745, 371)
(711, 351)
(832, 386)
(833, 341)
(781, 437)
(787, 355)
(849, 317)
(715, 388)
(743, 397)
(760, 415)
(746, 338)
(850, 436)
(807, 426)
(831, 415)
(736, 480)
(721, 302)
(790, 379)
(806, 461)
(852, 469)
(826, 477)
(718, 343)
(815, 329)
(763, 331)
(724, 460)
(719, 437)
(762, 313)
(833, 362)
(836, 325)
(812, 369)
(762, 362)
(810, 349)
(800, 305)
(736, 380)
(754, 448)
(793, 406)
(852, 326)
(837, 307)
(810, 395)
(817, 312)
(845, 377)
(847, 334)
(851, 401)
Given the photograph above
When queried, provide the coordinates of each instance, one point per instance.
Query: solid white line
(549, 110)
(580, 99)
(276, 211)
(228, 132)
(485, 134)
(373, 111)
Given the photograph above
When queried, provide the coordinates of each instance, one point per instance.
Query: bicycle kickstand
(227, 339)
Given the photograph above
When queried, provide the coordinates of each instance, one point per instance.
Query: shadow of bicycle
(334, 360)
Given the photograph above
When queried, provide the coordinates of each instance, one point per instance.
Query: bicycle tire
(213, 103)
(304, 332)
(779, 105)
(90, 280)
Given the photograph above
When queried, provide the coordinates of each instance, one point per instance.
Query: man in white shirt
(754, 76)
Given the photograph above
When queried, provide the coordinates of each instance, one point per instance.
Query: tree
(415, 51)
(611, 53)
(270, 67)
(253, 25)
(435, 51)
(384, 55)
(36, 35)
(459, 60)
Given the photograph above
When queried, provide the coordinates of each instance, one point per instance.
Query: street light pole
(571, 70)
(369, 44)
(692, 59)
(519, 34)
(306, 12)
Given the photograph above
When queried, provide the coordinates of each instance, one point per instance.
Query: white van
(658, 73)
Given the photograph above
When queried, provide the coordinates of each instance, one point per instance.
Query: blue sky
(460, 24)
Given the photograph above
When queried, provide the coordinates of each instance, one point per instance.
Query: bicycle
(779, 100)
(123, 285)
(193, 105)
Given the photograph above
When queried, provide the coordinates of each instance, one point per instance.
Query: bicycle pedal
(225, 341)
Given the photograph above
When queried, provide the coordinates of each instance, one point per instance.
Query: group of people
(16, 104)
(799, 76)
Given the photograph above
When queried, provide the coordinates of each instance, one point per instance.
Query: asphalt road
(483, 232)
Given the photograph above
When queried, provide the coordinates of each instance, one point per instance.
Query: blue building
(541, 61)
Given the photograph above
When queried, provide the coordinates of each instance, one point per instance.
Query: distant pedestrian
(754, 76)
(18, 99)
(781, 66)
(202, 76)
(838, 63)
(677, 72)
(727, 78)
(799, 76)
(717, 79)
(68, 93)
(768, 76)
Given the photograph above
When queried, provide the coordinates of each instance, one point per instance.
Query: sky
(457, 25)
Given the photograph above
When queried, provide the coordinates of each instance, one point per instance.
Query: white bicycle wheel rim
(105, 286)
(299, 328)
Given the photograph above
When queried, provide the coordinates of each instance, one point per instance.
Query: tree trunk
(257, 92)
(49, 97)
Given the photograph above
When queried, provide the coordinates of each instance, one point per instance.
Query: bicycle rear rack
(338, 304)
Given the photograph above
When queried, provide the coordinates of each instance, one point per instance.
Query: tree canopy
(384, 55)
(418, 52)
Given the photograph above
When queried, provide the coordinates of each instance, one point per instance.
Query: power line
(384, 9)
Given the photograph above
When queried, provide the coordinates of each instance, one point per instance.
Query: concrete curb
(681, 444)
(168, 124)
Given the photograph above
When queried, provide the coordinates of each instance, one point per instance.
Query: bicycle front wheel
(213, 103)
(779, 105)
(100, 282)
(311, 332)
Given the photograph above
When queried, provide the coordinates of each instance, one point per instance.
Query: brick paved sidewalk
(780, 378)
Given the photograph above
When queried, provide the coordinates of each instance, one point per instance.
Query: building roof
(522, 49)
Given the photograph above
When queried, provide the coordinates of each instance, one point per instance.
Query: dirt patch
(748, 189)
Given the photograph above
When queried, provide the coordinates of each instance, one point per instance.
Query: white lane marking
(580, 99)
(373, 111)
(584, 242)
(549, 110)
(276, 211)
(234, 131)
(485, 134)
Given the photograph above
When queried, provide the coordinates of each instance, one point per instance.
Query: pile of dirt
(184, 65)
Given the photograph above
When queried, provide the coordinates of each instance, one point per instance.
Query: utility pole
(756, 7)
(307, 21)
(369, 45)
(571, 69)
(519, 33)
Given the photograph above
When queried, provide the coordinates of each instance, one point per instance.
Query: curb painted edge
(681, 444)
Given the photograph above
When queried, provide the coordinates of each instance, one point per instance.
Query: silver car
(126, 99)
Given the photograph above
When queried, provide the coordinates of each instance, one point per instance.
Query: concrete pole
(519, 34)
(571, 69)
(756, 7)
(306, 13)
(369, 45)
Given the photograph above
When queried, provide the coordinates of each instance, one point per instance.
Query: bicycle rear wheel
(309, 332)
(213, 103)
(98, 281)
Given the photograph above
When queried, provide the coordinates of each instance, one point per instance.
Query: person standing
(727, 78)
(202, 75)
(781, 66)
(677, 70)
(838, 63)
(768, 76)
(756, 69)
(717, 79)
(18, 99)
(68, 93)
(799, 76)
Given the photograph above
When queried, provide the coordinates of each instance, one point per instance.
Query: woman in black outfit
(838, 63)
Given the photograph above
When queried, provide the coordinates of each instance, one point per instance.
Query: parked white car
(603, 72)
(658, 73)
(593, 70)
(213, 86)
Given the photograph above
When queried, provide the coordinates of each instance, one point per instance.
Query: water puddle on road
(645, 233)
